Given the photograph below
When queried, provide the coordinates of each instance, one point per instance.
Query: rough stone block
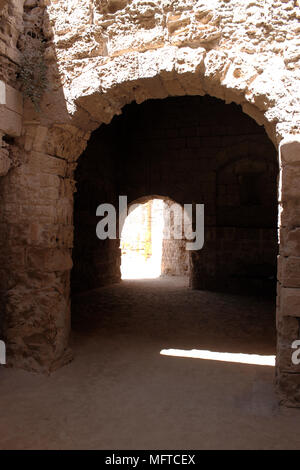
(290, 183)
(290, 213)
(290, 302)
(10, 121)
(50, 260)
(5, 162)
(289, 389)
(291, 272)
(14, 100)
(11, 98)
(47, 163)
(289, 151)
(284, 357)
(290, 242)
(288, 327)
(58, 260)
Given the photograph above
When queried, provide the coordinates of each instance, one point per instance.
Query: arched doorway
(153, 240)
(195, 150)
(156, 334)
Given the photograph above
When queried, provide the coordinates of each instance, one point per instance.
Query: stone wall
(96, 262)
(175, 256)
(11, 100)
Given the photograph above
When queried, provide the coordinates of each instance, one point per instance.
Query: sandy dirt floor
(121, 393)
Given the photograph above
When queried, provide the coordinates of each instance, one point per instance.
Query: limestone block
(14, 100)
(58, 260)
(289, 388)
(288, 327)
(47, 163)
(48, 194)
(5, 162)
(290, 183)
(50, 260)
(291, 272)
(11, 98)
(64, 142)
(289, 213)
(284, 358)
(290, 241)
(14, 258)
(44, 337)
(30, 3)
(289, 150)
(290, 302)
(44, 235)
(10, 122)
(49, 180)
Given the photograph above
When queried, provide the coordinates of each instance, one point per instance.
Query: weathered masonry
(209, 87)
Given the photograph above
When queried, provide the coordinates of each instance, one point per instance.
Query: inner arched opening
(153, 240)
(193, 151)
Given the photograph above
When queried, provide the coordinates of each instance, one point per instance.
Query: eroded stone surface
(112, 45)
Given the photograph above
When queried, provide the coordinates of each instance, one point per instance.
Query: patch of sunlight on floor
(142, 240)
(240, 358)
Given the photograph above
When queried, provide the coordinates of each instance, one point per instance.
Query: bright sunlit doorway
(153, 240)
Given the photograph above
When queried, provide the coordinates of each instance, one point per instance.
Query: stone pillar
(37, 212)
(288, 301)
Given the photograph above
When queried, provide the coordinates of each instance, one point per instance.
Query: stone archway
(153, 239)
(57, 261)
(190, 58)
(156, 151)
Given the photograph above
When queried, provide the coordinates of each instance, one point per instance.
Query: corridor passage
(121, 393)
